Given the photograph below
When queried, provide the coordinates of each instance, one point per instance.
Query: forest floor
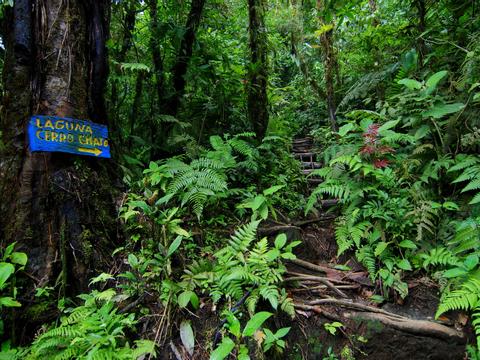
(334, 293)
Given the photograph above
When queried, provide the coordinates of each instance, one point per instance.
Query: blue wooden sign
(51, 133)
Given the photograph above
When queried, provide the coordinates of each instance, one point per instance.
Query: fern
(93, 330)
(466, 297)
(469, 166)
(247, 264)
(439, 256)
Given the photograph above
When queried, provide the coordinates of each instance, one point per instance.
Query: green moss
(86, 238)
(38, 311)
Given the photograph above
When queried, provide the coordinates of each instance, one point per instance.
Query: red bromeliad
(372, 147)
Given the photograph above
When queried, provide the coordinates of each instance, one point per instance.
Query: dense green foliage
(401, 82)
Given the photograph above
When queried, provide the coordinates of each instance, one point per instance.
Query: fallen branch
(311, 221)
(310, 266)
(319, 311)
(276, 229)
(320, 279)
(322, 287)
(417, 327)
(353, 305)
(402, 323)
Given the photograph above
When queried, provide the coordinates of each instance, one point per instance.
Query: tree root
(310, 266)
(401, 323)
(417, 327)
(322, 280)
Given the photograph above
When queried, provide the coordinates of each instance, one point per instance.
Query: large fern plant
(94, 330)
(246, 266)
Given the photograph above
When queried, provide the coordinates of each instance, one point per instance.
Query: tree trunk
(184, 54)
(421, 27)
(127, 42)
(257, 100)
(326, 41)
(57, 207)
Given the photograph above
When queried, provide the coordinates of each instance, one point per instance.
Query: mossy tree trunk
(57, 207)
(330, 64)
(257, 100)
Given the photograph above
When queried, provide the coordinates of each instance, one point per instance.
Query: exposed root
(370, 313)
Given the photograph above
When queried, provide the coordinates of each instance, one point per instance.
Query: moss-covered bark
(57, 207)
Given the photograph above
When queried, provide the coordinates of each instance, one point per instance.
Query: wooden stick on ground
(322, 280)
(310, 266)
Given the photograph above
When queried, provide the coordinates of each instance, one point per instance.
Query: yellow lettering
(97, 141)
(70, 138)
(38, 134)
(48, 136)
(69, 126)
(60, 124)
(63, 137)
(54, 136)
(105, 143)
(39, 124)
(79, 127)
(88, 130)
(48, 124)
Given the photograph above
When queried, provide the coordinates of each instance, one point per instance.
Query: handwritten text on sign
(51, 133)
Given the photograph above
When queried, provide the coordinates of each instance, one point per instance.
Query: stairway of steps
(303, 150)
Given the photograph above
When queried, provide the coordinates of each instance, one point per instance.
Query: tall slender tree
(257, 100)
(330, 62)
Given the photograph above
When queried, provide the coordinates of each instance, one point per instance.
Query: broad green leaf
(471, 262)
(132, 260)
(255, 322)
(404, 265)
(185, 297)
(181, 232)
(8, 301)
(380, 248)
(187, 336)
(263, 211)
(450, 205)
(174, 246)
(388, 125)
(345, 129)
(455, 272)
(9, 250)
(272, 254)
(433, 81)
(6, 269)
(407, 244)
(411, 84)
(101, 278)
(272, 190)
(282, 332)
(280, 241)
(440, 110)
(234, 325)
(223, 350)
(19, 258)
(257, 202)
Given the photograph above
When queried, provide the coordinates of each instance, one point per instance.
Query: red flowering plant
(373, 149)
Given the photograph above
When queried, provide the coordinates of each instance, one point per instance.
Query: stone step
(307, 171)
(311, 165)
(304, 154)
(307, 140)
(302, 149)
(314, 181)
